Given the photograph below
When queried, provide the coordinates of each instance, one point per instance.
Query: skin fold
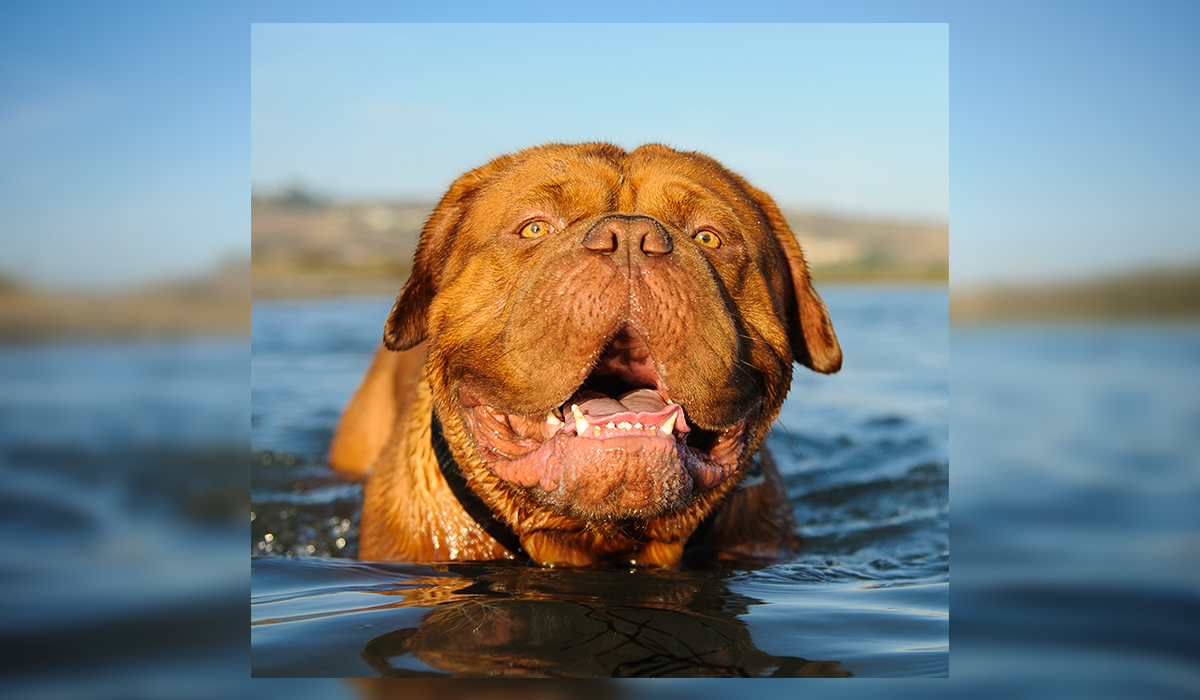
(605, 338)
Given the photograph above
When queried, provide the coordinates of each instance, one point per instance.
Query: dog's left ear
(408, 324)
(810, 332)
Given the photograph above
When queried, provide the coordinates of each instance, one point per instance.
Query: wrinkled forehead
(555, 181)
(571, 185)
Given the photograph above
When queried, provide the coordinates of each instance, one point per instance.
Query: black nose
(629, 234)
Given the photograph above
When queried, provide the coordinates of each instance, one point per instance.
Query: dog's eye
(707, 238)
(535, 229)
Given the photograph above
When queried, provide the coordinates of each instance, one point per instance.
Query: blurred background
(1069, 244)
(357, 130)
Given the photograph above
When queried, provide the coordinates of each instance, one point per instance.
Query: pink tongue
(593, 403)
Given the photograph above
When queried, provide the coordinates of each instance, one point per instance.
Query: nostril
(656, 243)
(601, 241)
(632, 234)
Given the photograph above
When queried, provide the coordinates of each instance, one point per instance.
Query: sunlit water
(864, 453)
(1076, 451)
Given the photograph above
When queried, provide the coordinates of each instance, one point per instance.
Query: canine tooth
(581, 424)
(553, 420)
(624, 426)
(669, 424)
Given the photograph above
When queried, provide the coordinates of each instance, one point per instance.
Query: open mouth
(617, 448)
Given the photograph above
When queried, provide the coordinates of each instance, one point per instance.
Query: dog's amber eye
(535, 229)
(707, 238)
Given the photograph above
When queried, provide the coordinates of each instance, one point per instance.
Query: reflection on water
(468, 689)
(488, 619)
(515, 621)
(864, 454)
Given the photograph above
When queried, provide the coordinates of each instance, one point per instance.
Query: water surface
(864, 454)
(122, 496)
(123, 574)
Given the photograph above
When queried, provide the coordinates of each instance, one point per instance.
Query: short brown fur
(489, 315)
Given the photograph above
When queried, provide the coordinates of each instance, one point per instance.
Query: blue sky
(850, 118)
(126, 129)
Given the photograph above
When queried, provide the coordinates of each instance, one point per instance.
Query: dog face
(609, 333)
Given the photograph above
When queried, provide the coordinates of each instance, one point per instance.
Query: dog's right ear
(810, 331)
(408, 324)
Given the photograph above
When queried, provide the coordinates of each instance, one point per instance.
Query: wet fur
(731, 322)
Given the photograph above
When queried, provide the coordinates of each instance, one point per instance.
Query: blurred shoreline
(216, 304)
(306, 246)
(220, 304)
(1170, 295)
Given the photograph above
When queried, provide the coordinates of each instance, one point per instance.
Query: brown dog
(583, 365)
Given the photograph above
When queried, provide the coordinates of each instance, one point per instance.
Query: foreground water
(123, 571)
(864, 454)
(122, 495)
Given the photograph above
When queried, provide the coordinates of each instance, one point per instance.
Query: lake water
(1076, 479)
(122, 502)
(864, 454)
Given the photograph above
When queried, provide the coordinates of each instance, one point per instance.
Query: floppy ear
(809, 330)
(408, 324)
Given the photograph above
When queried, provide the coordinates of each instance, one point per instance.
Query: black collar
(475, 507)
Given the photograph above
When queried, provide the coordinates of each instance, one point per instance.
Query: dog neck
(471, 503)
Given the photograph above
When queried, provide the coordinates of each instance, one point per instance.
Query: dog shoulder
(378, 405)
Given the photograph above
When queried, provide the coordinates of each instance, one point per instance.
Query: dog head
(610, 333)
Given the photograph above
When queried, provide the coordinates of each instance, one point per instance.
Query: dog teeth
(581, 424)
(553, 420)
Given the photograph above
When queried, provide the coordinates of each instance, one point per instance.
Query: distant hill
(866, 250)
(217, 303)
(303, 246)
(1163, 294)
